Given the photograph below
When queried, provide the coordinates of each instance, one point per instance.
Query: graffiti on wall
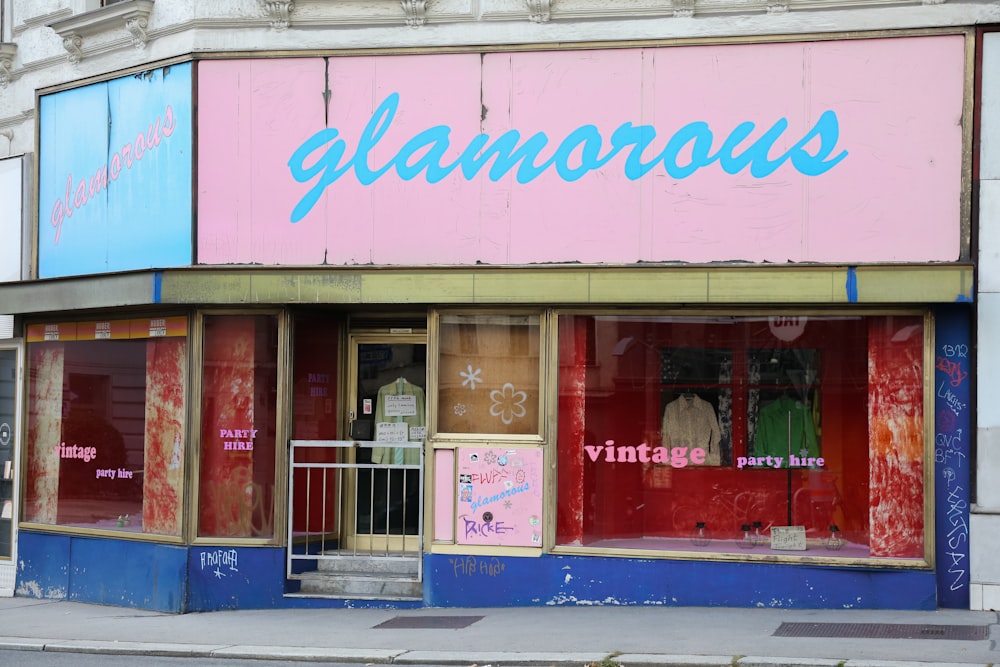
(952, 467)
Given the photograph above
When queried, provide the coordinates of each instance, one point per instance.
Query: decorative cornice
(136, 25)
(73, 44)
(539, 11)
(7, 52)
(683, 8)
(416, 12)
(133, 15)
(777, 6)
(279, 13)
(42, 20)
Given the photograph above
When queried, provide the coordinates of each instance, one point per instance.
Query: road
(10, 658)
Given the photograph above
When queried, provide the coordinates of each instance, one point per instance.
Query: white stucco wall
(984, 533)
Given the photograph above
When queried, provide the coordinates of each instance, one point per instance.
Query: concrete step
(329, 585)
(367, 565)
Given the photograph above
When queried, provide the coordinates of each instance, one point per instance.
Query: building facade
(497, 303)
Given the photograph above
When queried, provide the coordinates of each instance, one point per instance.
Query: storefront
(678, 325)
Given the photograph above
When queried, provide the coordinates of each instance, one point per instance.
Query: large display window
(106, 425)
(236, 492)
(777, 435)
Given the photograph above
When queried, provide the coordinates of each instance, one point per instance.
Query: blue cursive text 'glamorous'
(325, 155)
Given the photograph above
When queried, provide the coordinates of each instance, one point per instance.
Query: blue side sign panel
(115, 175)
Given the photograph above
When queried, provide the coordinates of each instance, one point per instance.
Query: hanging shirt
(404, 455)
(690, 421)
(786, 426)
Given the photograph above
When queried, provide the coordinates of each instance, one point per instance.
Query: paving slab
(759, 661)
(309, 654)
(660, 660)
(497, 658)
(899, 663)
(158, 649)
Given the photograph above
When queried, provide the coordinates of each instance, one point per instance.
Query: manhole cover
(883, 631)
(429, 622)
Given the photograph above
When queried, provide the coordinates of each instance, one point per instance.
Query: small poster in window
(500, 496)
(8, 510)
(391, 432)
(7, 470)
(400, 406)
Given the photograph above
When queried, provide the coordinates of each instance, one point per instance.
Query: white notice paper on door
(400, 406)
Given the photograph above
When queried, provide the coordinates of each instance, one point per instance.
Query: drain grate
(429, 622)
(883, 631)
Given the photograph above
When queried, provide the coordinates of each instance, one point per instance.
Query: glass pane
(315, 491)
(8, 379)
(238, 426)
(731, 433)
(489, 374)
(391, 407)
(106, 429)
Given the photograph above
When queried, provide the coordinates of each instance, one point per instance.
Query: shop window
(238, 426)
(106, 406)
(314, 417)
(787, 435)
(488, 374)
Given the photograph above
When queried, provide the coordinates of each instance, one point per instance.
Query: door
(387, 417)
(10, 374)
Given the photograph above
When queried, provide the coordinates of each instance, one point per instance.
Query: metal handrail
(327, 548)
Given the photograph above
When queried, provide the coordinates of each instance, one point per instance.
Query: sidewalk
(542, 636)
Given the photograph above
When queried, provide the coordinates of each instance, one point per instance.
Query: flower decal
(459, 409)
(507, 403)
(471, 377)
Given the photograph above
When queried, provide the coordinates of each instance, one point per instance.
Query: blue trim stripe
(157, 285)
(852, 284)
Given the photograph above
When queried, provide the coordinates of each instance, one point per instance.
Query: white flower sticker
(459, 409)
(471, 377)
(507, 403)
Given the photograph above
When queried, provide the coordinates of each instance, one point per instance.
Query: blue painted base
(183, 579)
(102, 571)
(477, 581)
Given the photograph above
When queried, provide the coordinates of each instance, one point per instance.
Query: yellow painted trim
(764, 557)
(660, 285)
(99, 532)
(917, 284)
(417, 287)
(476, 550)
(532, 286)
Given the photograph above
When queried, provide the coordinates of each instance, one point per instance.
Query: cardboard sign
(788, 538)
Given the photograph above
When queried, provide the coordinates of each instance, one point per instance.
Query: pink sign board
(831, 151)
(499, 497)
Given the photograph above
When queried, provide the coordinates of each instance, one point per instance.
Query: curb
(465, 658)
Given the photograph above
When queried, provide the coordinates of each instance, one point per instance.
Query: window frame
(435, 434)
(282, 420)
(24, 455)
